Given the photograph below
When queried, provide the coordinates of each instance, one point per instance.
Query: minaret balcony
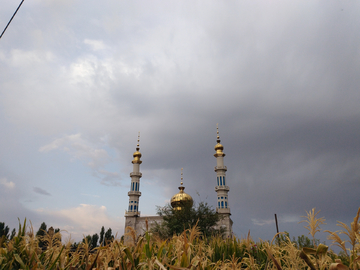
(132, 213)
(132, 192)
(225, 188)
(223, 210)
(139, 174)
(223, 168)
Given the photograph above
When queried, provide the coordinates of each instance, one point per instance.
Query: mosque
(138, 223)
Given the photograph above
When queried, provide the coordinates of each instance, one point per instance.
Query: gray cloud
(41, 191)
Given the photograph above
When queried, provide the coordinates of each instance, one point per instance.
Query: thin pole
(11, 18)
(277, 226)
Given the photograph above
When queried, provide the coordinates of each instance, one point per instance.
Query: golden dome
(137, 154)
(181, 199)
(219, 146)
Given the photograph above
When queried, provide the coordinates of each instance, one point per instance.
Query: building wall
(225, 222)
(139, 224)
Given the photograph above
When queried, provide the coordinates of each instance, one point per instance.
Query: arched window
(224, 180)
(225, 204)
(131, 207)
(219, 204)
(136, 186)
(132, 186)
(134, 207)
(218, 180)
(222, 204)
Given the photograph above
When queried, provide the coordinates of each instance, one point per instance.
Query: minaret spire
(221, 188)
(134, 193)
(138, 144)
(181, 188)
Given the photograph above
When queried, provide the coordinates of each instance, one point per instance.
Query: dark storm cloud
(41, 191)
(293, 141)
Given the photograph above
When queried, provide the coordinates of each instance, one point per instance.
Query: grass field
(188, 250)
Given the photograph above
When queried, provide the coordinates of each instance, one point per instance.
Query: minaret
(221, 188)
(134, 193)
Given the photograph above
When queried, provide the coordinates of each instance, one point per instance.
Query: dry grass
(185, 251)
(353, 234)
(313, 223)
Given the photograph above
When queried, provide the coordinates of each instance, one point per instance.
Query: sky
(79, 79)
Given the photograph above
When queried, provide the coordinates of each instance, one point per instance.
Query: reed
(188, 250)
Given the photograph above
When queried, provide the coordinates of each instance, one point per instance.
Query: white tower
(134, 193)
(221, 188)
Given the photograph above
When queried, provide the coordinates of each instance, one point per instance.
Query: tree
(4, 233)
(87, 239)
(300, 242)
(102, 232)
(40, 235)
(304, 241)
(4, 230)
(176, 221)
(108, 236)
(94, 240)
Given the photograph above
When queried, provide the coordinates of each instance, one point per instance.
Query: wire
(11, 18)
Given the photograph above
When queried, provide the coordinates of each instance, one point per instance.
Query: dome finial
(137, 154)
(181, 183)
(181, 176)
(138, 142)
(218, 147)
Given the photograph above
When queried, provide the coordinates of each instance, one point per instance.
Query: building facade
(138, 223)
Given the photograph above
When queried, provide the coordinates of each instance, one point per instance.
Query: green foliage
(102, 233)
(22, 251)
(176, 221)
(94, 240)
(40, 233)
(4, 233)
(319, 256)
(108, 236)
(304, 241)
(4, 230)
(299, 242)
(87, 239)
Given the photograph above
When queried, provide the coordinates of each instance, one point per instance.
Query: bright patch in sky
(6, 183)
